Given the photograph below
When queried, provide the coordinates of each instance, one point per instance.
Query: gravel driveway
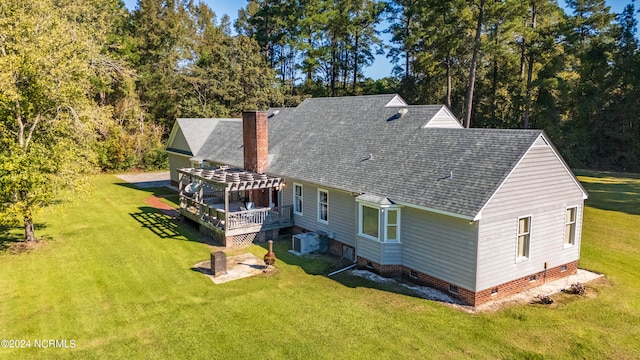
(148, 180)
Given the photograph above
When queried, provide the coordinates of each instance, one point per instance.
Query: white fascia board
(585, 195)
(177, 153)
(479, 214)
(443, 112)
(172, 136)
(441, 212)
(446, 110)
(575, 180)
(397, 101)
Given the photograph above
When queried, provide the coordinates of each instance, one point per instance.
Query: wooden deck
(236, 222)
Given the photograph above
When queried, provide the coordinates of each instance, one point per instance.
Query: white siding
(180, 142)
(539, 187)
(443, 119)
(382, 253)
(369, 249)
(391, 253)
(176, 162)
(439, 245)
(342, 211)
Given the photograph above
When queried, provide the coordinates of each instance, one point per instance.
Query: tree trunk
(494, 77)
(527, 110)
(334, 72)
(472, 68)
(407, 60)
(355, 64)
(103, 98)
(447, 98)
(29, 235)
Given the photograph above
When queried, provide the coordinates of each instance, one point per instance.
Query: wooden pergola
(233, 200)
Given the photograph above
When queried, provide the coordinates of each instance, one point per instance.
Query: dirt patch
(156, 203)
(22, 247)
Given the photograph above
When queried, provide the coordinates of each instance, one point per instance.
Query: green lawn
(114, 275)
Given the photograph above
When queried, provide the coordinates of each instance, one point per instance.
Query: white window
(323, 206)
(393, 225)
(570, 226)
(297, 199)
(369, 221)
(524, 232)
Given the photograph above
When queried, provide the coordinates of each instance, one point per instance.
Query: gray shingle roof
(349, 144)
(196, 131)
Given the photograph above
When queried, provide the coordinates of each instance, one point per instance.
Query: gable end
(538, 144)
(443, 119)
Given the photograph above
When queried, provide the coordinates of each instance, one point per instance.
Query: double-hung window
(323, 206)
(524, 236)
(570, 226)
(297, 199)
(393, 224)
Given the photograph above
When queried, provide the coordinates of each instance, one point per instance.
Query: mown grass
(115, 277)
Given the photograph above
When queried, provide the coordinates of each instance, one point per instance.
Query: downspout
(343, 269)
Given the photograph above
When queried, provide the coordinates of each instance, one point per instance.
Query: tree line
(91, 86)
(495, 63)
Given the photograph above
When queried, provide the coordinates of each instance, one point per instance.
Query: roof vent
(402, 112)
(368, 157)
(274, 113)
(450, 176)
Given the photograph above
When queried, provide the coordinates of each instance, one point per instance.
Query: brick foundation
(524, 283)
(468, 296)
(392, 271)
(295, 230)
(343, 250)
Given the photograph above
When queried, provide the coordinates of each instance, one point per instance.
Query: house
(403, 190)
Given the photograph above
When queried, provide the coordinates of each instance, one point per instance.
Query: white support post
(226, 211)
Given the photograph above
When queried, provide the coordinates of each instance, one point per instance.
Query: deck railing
(267, 216)
(277, 216)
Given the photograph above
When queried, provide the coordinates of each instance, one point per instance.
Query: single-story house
(403, 190)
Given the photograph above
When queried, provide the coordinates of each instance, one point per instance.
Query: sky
(382, 66)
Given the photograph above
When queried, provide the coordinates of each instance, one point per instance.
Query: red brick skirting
(468, 296)
(392, 271)
(525, 283)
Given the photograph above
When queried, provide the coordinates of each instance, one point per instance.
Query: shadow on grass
(12, 237)
(324, 264)
(612, 191)
(166, 227)
(9, 237)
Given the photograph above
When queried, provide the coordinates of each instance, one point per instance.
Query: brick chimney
(255, 138)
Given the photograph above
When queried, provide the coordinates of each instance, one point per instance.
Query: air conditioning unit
(305, 243)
